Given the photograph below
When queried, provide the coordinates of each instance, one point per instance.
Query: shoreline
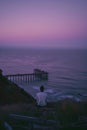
(65, 111)
(53, 96)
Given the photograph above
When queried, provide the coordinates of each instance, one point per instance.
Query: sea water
(67, 70)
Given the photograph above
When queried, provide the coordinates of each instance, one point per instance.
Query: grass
(15, 100)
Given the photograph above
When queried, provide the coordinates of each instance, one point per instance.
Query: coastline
(17, 101)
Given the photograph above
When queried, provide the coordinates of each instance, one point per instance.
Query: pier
(37, 75)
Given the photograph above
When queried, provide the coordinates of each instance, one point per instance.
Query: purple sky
(43, 23)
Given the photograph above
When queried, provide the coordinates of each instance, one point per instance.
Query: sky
(43, 23)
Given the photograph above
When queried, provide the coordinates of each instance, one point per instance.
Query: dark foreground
(67, 113)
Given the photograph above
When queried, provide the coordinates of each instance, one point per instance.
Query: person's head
(42, 88)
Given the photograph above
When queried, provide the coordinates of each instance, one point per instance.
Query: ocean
(67, 70)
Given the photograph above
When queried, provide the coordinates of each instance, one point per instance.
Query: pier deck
(37, 75)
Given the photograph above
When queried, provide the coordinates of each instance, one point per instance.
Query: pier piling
(37, 75)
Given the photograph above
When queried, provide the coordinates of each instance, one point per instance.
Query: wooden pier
(37, 75)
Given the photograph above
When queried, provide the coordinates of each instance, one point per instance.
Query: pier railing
(38, 75)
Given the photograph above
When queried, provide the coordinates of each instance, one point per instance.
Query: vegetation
(10, 93)
(13, 99)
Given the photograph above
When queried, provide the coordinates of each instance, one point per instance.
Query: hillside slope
(10, 93)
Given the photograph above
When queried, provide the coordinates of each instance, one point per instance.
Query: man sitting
(41, 97)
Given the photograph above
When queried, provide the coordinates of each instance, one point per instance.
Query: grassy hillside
(13, 99)
(10, 93)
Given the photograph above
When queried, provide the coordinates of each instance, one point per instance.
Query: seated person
(41, 97)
